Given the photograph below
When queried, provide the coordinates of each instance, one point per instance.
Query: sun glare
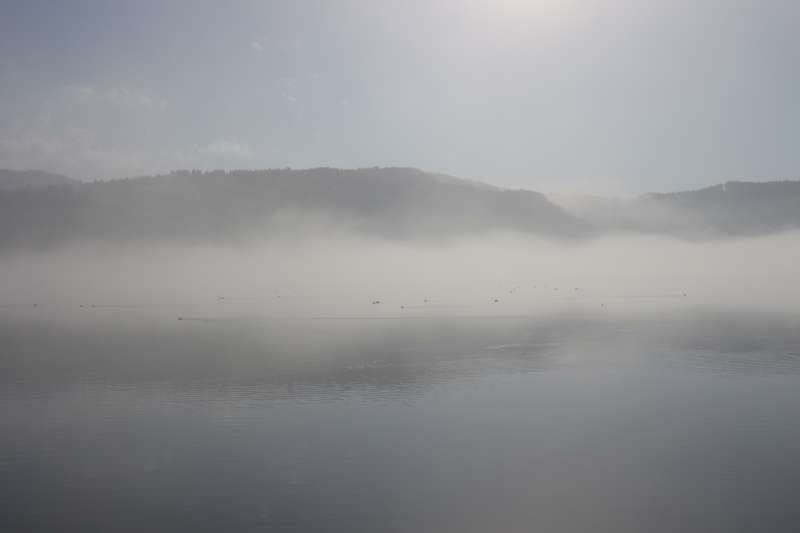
(521, 9)
(515, 21)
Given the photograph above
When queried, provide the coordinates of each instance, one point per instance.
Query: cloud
(77, 152)
(86, 93)
(228, 148)
(79, 132)
(84, 154)
(288, 86)
(257, 46)
(75, 132)
(120, 97)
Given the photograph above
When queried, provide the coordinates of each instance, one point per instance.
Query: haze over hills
(17, 179)
(731, 209)
(392, 203)
(395, 203)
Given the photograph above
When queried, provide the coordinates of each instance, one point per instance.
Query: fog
(452, 265)
(342, 350)
(347, 276)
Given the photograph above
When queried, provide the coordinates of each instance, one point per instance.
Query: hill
(18, 179)
(731, 209)
(734, 208)
(395, 203)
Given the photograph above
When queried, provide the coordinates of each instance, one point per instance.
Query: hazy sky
(617, 96)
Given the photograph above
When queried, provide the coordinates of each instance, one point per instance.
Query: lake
(129, 420)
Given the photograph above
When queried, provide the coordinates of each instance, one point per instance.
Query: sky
(604, 97)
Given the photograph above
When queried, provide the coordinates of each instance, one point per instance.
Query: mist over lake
(473, 266)
(572, 421)
(352, 384)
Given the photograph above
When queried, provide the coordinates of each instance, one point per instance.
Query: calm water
(684, 421)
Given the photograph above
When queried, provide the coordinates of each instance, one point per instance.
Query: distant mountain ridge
(730, 209)
(18, 179)
(394, 203)
(737, 207)
(390, 203)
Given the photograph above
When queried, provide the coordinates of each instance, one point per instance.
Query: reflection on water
(569, 422)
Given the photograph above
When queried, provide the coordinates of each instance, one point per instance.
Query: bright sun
(515, 8)
(516, 18)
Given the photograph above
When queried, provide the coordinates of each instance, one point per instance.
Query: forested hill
(731, 209)
(735, 208)
(18, 179)
(395, 203)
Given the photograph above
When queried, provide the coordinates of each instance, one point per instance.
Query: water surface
(127, 420)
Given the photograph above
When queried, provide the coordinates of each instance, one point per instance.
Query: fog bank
(504, 274)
